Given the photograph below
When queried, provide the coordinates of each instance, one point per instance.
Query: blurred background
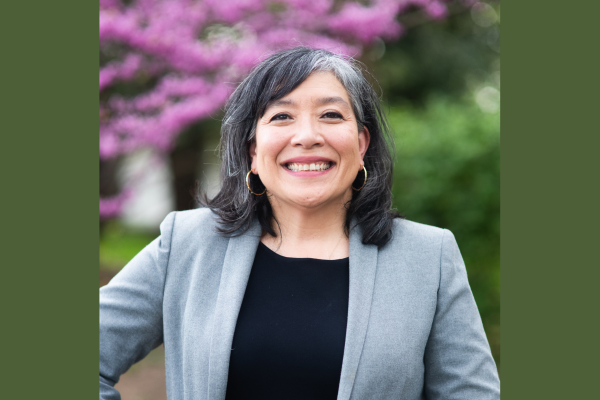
(167, 67)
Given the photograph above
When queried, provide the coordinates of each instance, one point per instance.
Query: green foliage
(119, 245)
(448, 57)
(447, 174)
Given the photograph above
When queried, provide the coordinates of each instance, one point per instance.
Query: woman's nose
(307, 135)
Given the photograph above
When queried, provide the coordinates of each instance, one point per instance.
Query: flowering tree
(184, 57)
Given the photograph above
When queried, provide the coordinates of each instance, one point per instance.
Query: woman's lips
(308, 166)
(318, 166)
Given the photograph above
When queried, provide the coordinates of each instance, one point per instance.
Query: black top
(290, 333)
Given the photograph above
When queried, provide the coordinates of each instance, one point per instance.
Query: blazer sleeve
(131, 322)
(458, 360)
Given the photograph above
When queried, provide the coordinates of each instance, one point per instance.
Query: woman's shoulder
(191, 218)
(405, 226)
(410, 235)
(199, 222)
(416, 248)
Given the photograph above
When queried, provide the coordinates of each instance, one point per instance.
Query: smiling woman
(308, 151)
(301, 107)
(297, 281)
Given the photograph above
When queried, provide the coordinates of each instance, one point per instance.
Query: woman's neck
(308, 233)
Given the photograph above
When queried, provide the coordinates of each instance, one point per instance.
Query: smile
(317, 166)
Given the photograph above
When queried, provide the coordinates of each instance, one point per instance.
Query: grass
(118, 245)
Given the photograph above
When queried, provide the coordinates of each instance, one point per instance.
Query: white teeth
(320, 166)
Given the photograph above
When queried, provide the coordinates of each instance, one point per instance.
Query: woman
(297, 281)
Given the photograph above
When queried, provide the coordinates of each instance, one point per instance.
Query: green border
(549, 191)
(50, 199)
(49, 148)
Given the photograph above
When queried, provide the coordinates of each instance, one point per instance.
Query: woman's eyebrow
(332, 100)
(280, 102)
(320, 101)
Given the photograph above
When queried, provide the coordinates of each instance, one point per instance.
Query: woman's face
(308, 149)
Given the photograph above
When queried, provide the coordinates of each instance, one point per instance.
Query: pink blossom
(436, 10)
(196, 50)
(111, 207)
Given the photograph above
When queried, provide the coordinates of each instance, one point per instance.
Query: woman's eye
(280, 117)
(332, 114)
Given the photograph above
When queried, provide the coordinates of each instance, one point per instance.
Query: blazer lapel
(363, 266)
(234, 278)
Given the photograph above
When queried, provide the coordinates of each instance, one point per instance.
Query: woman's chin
(311, 203)
(312, 198)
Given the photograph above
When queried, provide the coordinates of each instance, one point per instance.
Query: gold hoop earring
(248, 184)
(364, 169)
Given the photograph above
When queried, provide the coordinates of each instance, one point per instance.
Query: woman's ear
(252, 151)
(364, 138)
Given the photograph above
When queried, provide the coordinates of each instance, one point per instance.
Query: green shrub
(447, 174)
(119, 245)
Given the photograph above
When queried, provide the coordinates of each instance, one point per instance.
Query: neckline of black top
(290, 333)
(303, 259)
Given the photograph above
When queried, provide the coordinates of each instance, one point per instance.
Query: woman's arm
(458, 360)
(131, 322)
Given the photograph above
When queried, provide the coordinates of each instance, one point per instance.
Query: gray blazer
(413, 332)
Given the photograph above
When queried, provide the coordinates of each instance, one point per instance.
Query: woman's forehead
(321, 88)
(319, 101)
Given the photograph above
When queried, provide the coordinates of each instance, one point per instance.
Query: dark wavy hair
(269, 81)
